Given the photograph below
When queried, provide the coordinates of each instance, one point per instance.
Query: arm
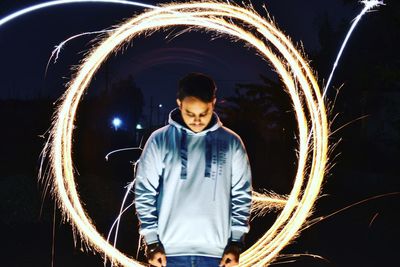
(241, 204)
(146, 186)
(146, 190)
(241, 193)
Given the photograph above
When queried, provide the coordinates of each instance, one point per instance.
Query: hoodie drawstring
(184, 155)
(210, 156)
(209, 151)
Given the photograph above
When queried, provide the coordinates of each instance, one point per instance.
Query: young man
(193, 184)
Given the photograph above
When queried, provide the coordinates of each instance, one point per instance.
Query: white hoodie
(193, 190)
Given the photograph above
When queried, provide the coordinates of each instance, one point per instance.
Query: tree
(262, 115)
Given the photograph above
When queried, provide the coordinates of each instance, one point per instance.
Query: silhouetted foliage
(370, 73)
(95, 133)
(262, 115)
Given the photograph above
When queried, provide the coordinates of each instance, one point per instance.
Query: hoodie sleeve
(241, 192)
(146, 190)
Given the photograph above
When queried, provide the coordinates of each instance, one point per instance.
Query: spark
(266, 202)
(64, 2)
(373, 219)
(322, 218)
(121, 149)
(209, 16)
(292, 68)
(56, 52)
(350, 122)
(286, 257)
(116, 221)
(121, 211)
(368, 6)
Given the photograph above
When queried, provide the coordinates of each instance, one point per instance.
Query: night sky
(366, 159)
(155, 63)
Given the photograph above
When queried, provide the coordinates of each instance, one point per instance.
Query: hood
(175, 119)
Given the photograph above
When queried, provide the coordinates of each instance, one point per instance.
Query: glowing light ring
(64, 2)
(295, 74)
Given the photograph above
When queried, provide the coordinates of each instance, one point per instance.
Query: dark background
(133, 84)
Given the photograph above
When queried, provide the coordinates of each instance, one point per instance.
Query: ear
(214, 101)
(179, 103)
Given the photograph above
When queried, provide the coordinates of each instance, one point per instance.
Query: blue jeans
(192, 261)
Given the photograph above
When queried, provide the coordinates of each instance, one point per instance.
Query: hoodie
(193, 190)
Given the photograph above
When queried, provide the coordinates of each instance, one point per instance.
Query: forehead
(195, 105)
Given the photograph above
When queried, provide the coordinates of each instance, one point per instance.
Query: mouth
(196, 127)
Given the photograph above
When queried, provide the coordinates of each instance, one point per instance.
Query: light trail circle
(294, 72)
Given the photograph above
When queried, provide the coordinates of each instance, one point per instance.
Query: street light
(117, 122)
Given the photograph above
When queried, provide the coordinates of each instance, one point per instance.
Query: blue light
(117, 122)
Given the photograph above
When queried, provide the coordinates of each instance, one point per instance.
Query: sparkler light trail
(119, 150)
(56, 52)
(368, 6)
(118, 220)
(63, 2)
(257, 32)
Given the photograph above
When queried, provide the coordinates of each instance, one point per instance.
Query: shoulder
(161, 132)
(233, 139)
(229, 134)
(159, 136)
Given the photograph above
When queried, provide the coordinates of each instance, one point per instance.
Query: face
(196, 113)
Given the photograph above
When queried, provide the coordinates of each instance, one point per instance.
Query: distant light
(117, 122)
(160, 106)
(139, 126)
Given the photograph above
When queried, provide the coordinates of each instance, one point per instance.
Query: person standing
(193, 184)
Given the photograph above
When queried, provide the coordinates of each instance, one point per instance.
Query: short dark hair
(197, 85)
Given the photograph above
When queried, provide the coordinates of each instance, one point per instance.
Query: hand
(231, 254)
(229, 260)
(159, 260)
(156, 255)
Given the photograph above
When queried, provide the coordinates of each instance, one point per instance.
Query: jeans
(192, 261)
